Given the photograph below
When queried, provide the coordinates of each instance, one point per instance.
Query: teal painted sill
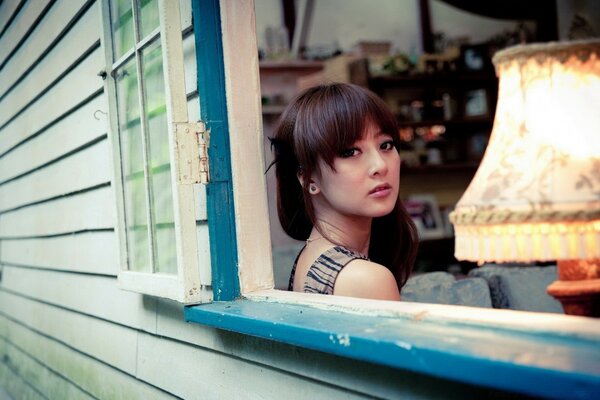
(534, 364)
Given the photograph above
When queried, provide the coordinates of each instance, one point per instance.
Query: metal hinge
(193, 140)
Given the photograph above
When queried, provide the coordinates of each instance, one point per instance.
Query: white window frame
(192, 283)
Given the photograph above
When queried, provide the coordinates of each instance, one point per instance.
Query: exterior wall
(66, 329)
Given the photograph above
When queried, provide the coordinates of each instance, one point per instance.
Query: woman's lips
(381, 191)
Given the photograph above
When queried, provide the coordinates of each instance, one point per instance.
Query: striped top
(322, 274)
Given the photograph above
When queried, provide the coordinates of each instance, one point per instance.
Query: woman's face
(366, 179)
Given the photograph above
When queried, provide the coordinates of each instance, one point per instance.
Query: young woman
(338, 176)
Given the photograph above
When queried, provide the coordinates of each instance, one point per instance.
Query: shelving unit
(447, 100)
(280, 83)
(457, 144)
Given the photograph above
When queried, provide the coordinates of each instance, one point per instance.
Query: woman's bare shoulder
(366, 279)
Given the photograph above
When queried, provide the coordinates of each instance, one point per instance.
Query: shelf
(273, 109)
(432, 80)
(290, 65)
(435, 169)
(471, 122)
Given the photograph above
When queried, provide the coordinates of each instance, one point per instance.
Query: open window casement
(159, 156)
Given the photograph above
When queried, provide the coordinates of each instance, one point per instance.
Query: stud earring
(312, 189)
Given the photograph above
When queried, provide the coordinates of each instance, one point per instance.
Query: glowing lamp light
(536, 194)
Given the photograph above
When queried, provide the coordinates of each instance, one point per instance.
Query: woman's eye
(387, 145)
(349, 153)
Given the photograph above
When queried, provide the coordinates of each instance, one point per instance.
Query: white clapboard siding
(93, 295)
(87, 168)
(100, 380)
(60, 59)
(46, 32)
(229, 377)
(106, 341)
(84, 211)
(42, 380)
(78, 85)
(7, 9)
(13, 383)
(16, 31)
(89, 252)
(75, 130)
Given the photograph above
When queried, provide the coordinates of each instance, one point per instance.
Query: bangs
(332, 118)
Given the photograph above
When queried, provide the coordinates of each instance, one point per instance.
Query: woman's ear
(300, 178)
(312, 186)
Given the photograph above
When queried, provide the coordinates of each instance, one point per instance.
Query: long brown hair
(321, 123)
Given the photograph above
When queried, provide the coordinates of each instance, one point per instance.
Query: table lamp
(536, 194)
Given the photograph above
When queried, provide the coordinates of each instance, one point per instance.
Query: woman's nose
(377, 166)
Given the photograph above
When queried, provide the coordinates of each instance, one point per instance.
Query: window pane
(159, 161)
(132, 158)
(149, 18)
(122, 27)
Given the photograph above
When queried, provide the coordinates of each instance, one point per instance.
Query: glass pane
(159, 161)
(149, 18)
(132, 159)
(122, 27)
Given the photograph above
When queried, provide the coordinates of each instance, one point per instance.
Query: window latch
(192, 142)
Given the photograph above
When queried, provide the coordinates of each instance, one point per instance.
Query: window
(484, 346)
(550, 354)
(156, 152)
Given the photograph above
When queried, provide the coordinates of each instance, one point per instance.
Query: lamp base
(578, 287)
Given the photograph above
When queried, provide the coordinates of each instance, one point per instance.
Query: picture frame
(475, 58)
(425, 213)
(476, 104)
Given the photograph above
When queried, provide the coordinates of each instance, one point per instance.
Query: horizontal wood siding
(90, 252)
(88, 334)
(8, 11)
(47, 33)
(97, 378)
(20, 28)
(43, 382)
(88, 167)
(17, 384)
(56, 141)
(66, 328)
(89, 210)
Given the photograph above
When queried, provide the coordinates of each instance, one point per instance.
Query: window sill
(521, 352)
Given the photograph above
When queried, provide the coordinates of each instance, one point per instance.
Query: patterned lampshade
(536, 194)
